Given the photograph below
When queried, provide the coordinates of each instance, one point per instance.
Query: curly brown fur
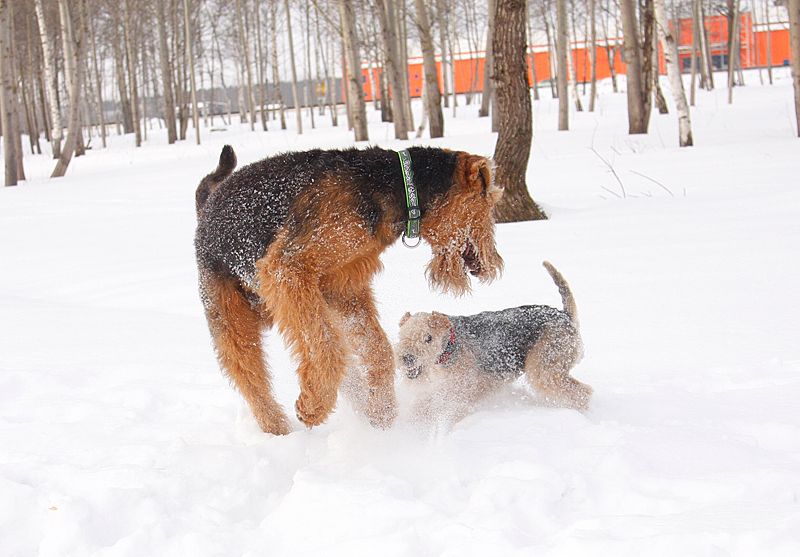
(461, 359)
(300, 236)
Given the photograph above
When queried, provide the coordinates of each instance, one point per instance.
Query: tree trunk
(769, 40)
(7, 97)
(166, 74)
(355, 94)
(99, 85)
(137, 130)
(670, 46)
(399, 21)
(292, 65)
(50, 78)
(562, 62)
(733, 44)
(593, 53)
(658, 94)
(442, 22)
(276, 76)
(704, 47)
(572, 66)
(432, 96)
(794, 40)
(76, 81)
(515, 132)
(486, 97)
(637, 122)
(392, 70)
(190, 65)
(245, 49)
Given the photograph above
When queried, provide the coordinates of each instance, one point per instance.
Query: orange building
(468, 69)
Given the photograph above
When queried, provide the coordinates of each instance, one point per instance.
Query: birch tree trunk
(733, 45)
(433, 98)
(355, 93)
(593, 53)
(166, 74)
(50, 78)
(76, 82)
(670, 46)
(190, 65)
(99, 85)
(7, 97)
(658, 94)
(794, 40)
(515, 132)
(562, 63)
(293, 66)
(486, 97)
(276, 76)
(769, 40)
(137, 130)
(636, 103)
(392, 70)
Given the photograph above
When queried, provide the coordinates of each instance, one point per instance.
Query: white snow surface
(119, 436)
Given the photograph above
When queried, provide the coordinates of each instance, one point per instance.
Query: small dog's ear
(439, 322)
(406, 317)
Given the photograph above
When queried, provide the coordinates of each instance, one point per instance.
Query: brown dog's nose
(409, 360)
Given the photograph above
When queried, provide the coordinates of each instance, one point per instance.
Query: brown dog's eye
(428, 339)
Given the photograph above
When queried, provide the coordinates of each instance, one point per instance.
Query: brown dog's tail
(566, 294)
(227, 162)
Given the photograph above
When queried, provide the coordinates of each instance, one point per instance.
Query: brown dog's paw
(310, 411)
(276, 425)
(381, 408)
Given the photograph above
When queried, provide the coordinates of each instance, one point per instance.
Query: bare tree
(637, 102)
(433, 98)
(486, 97)
(355, 94)
(166, 74)
(392, 69)
(670, 46)
(190, 65)
(50, 78)
(515, 117)
(75, 40)
(593, 53)
(293, 66)
(794, 39)
(562, 70)
(276, 76)
(7, 96)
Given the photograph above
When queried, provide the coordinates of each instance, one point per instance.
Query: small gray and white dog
(465, 358)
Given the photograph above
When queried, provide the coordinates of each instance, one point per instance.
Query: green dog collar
(412, 201)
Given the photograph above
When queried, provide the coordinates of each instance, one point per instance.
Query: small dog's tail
(566, 294)
(227, 162)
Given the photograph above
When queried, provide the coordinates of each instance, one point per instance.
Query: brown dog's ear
(439, 322)
(406, 317)
(481, 175)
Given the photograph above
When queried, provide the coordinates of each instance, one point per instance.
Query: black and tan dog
(294, 240)
(466, 358)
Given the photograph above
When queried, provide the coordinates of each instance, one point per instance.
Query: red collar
(444, 357)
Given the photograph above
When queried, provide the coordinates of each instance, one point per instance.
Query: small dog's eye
(428, 338)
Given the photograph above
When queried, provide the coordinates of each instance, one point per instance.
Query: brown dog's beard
(454, 262)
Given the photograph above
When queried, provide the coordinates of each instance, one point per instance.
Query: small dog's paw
(381, 408)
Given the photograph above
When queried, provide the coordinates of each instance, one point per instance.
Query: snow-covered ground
(119, 435)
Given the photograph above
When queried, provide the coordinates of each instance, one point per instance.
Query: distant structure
(468, 66)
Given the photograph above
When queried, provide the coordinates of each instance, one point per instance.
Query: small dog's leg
(548, 365)
(236, 330)
(356, 307)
